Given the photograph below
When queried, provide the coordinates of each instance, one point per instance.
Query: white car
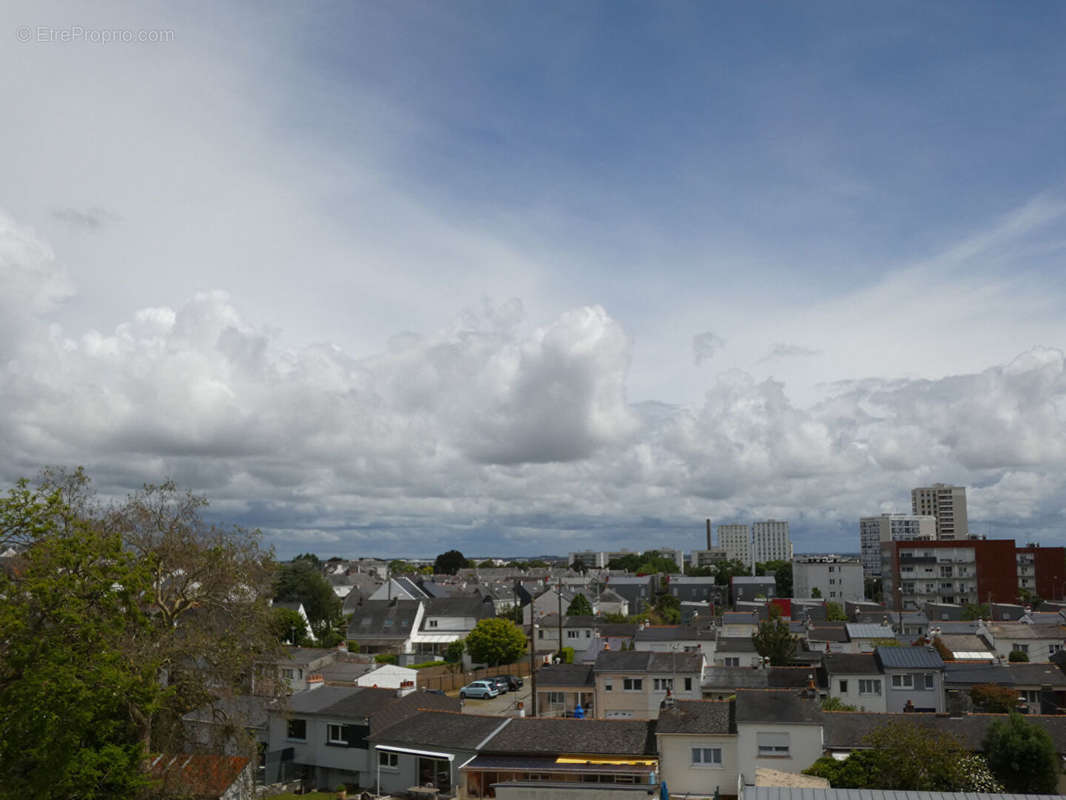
(482, 689)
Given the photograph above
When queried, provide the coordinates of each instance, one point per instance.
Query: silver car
(482, 689)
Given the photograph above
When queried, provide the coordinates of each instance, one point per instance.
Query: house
(386, 676)
(671, 638)
(697, 746)
(427, 749)
(445, 620)
(203, 776)
(962, 646)
(739, 623)
(863, 637)
(610, 602)
(736, 651)
(857, 680)
(720, 683)
(552, 600)
(1038, 642)
(638, 590)
(1029, 680)
(914, 678)
(752, 587)
(633, 685)
(386, 626)
(561, 688)
(320, 735)
(696, 589)
(777, 729)
(292, 666)
(565, 758)
(578, 632)
(829, 637)
(399, 588)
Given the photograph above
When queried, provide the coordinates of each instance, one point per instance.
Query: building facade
(947, 504)
(736, 541)
(836, 577)
(891, 528)
(770, 541)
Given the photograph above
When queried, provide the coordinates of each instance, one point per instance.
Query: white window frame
(329, 733)
(662, 684)
(869, 686)
(706, 757)
(633, 684)
(388, 759)
(903, 681)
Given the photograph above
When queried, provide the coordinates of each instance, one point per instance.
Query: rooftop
(909, 658)
(525, 735)
(776, 705)
(697, 716)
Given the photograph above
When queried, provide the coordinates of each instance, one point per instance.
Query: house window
(929, 680)
(688, 684)
(607, 687)
(1053, 648)
(335, 734)
(556, 698)
(288, 673)
(633, 684)
(731, 661)
(1020, 648)
(706, 756)
(843, 687)
(662, 684)
(433, 623)
(903, 681)
(296, 729)
(388, 760)
(540, 633)
(572, 634)
(774, 745)
(869, 687)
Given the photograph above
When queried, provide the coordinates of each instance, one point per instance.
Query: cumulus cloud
(786, 350)
(497, 432)
(705, 345)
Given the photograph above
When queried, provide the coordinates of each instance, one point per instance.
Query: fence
(444, 679)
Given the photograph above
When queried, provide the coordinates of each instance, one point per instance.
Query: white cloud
(705, 345)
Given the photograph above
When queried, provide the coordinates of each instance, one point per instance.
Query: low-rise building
(563, 688)
(633, 684)
(837, 578)
(776, 729)
(857, 680)
(697, 746)
(914, 678)
(1037, 642)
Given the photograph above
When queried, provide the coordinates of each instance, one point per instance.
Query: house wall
(922, 698)
(333, 763)
(682, 777)
(405, 775)
(863, 702)
(1038, 650)
(643, 703)
(805, 747)
(387, 676)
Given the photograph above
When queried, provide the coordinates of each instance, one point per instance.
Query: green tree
(579, 565)
(724, 571)
(1022, 756)
(495, 641)
(816, 592)
(311, 559)
(912, 757)
(486, 564)
(668, 609)
(783, 578)
(75, 696)
(873, 590)
(1018, 657)
(834, 612)
(992, 698)
(836, 704)
(449, 563)
(400, 567)
(579, 607)
(301, 581)
(774, 641)
(453, 653)
(289, 627)
(976, 611)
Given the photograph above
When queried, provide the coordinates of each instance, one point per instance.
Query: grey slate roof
(411, 704)
(526, 735)
(827, 632)
(851, 664)
(468, 606)
(697, 716)
(575, 675)
(909, 658)
(962, 674)
(341, 701)
(675, 633)
(1020, 630)
(643, 661)
(776, 705)
(383, 619)
(447, 729)
(867, 630)
(965, 643)
(731, 678)
(735, 644)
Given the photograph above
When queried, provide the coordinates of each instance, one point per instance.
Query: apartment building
(707, 558)
(836, 577)
(770, 541)
(1042, 571)
(736, 541)
(891, 528)
(947, 504)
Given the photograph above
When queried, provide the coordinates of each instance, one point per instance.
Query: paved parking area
(503, 706)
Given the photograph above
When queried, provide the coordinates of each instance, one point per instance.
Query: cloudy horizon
(388, 280)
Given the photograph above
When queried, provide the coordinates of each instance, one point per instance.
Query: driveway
(502, 706)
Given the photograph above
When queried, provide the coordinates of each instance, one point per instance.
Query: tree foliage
(495, 641)
(724, 571)
(774, 641)
(301, 581)
(647, 563)
(449, 563)
(1018, 657)
(976, 611)
(289, 627)
(1022, 756)
(994, 699)
(579, 607)
(834, 612)
(836, 704)
(453, 653)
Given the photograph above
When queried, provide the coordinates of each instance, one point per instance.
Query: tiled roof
(831, 632)
(402, 708)
(577, 675)
(196, 776)
(909, 657)
(735, 644)
(460, 606)
(866, 630)
(674, 633)
(644, 661)
(1020, 630)
(448, 729)
(697, 716)
(851, 664)
(340, 701)
(378, 619)
(780, 705)
(525, 735)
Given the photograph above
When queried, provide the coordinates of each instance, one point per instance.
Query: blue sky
(394, 276)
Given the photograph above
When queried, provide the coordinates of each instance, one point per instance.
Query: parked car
(482, 689)
(502, 684)
(514, 683)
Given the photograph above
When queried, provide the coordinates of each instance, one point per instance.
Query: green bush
(386, 658)
(568, 655)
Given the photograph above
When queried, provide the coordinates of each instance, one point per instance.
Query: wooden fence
(445, 679)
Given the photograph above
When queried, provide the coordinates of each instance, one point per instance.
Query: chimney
(406, 687)
(314, 680)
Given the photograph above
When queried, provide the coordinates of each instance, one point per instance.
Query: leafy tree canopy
(976, 611)
(1018, 657)
(994, 699)
(579, 607)
(774, 641)
(725, 570)
(300, 580)
(399, 566)
(646, 563)
(495, 641)
(1022, 756)
(834, 612)
(449, 563)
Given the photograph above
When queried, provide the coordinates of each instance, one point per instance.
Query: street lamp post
(532, 665)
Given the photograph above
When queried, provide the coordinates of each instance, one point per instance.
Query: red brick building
(969, 571)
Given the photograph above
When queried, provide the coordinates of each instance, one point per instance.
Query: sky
(532, 277)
